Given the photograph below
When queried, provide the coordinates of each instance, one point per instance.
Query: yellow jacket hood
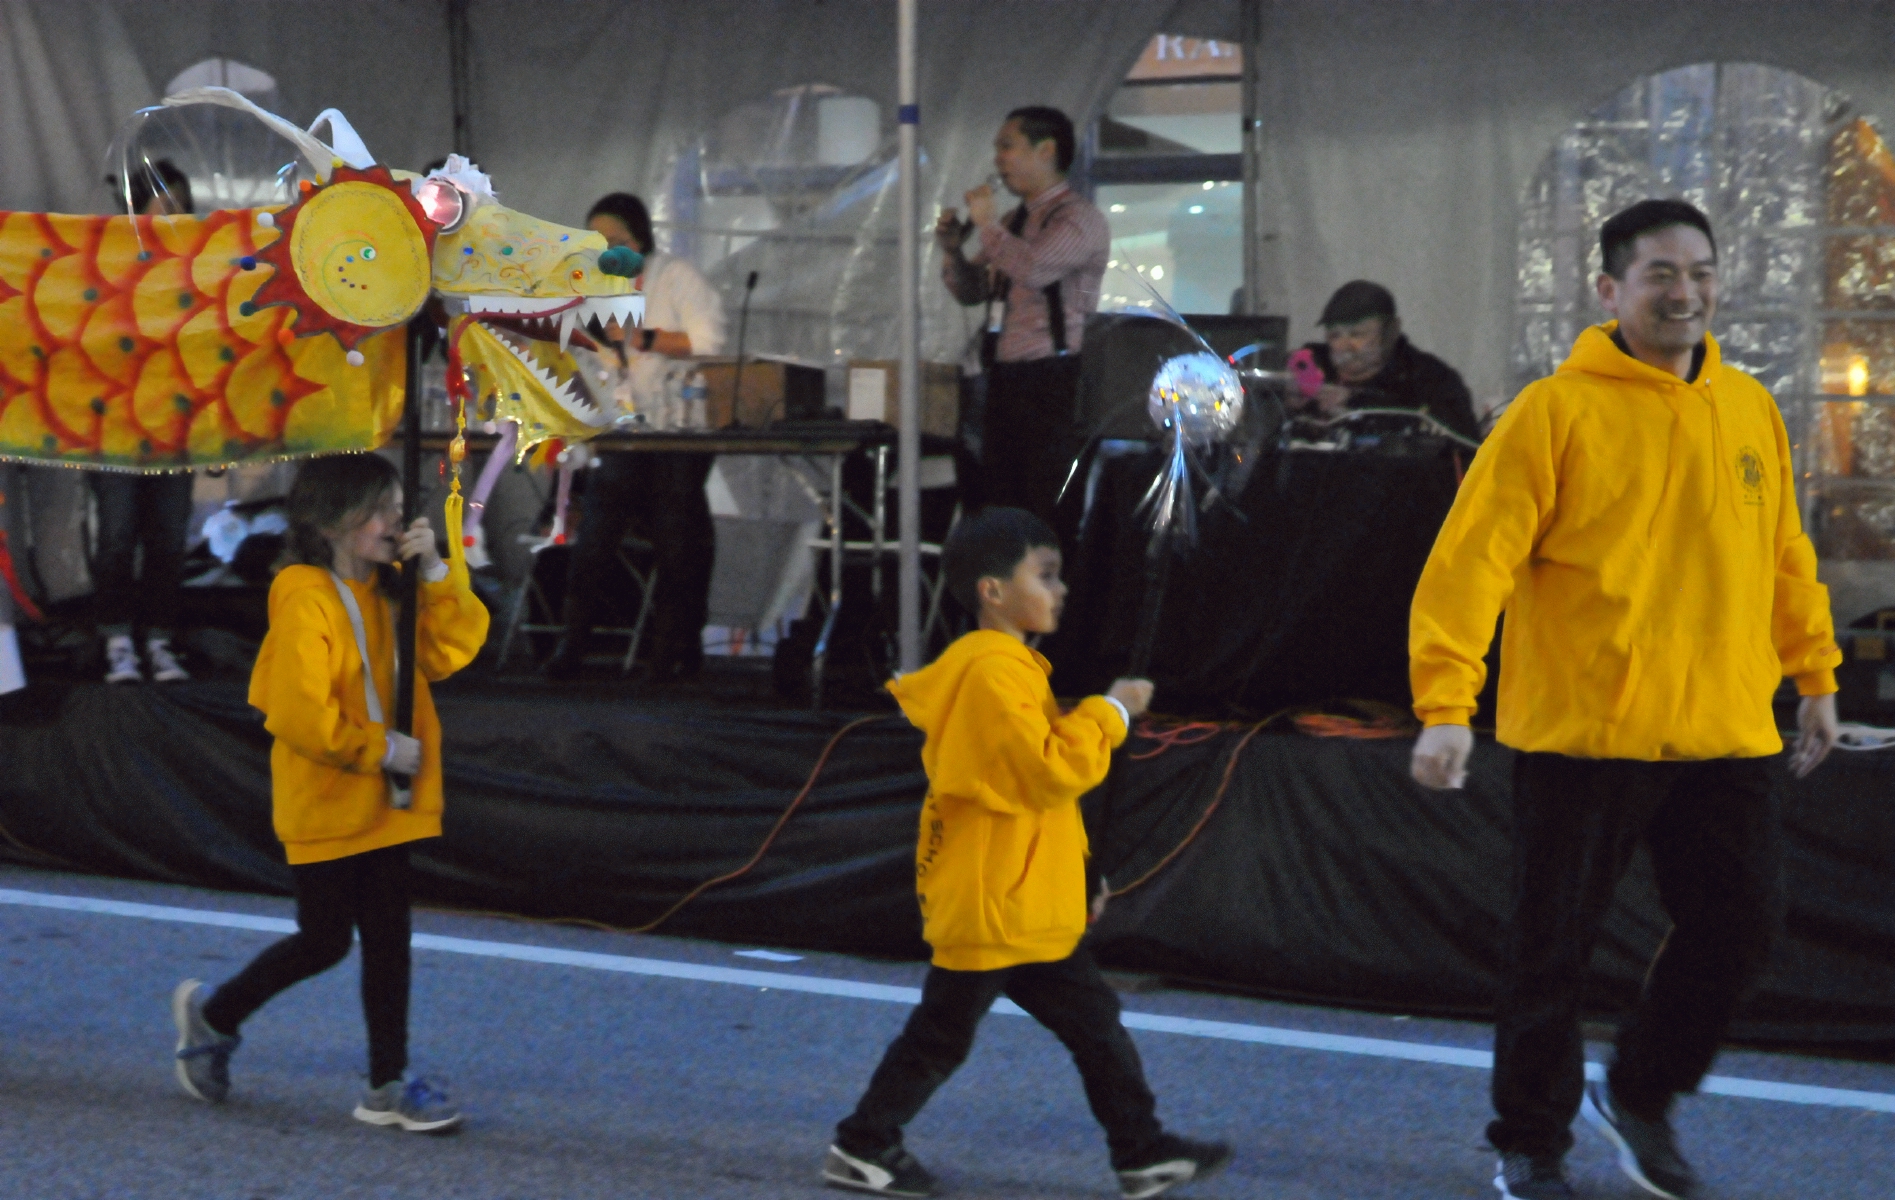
(1641, 535)
(1000, 862)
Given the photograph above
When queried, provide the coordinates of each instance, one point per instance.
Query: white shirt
(678, 299)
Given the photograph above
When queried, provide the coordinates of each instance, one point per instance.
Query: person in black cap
(1367, 362)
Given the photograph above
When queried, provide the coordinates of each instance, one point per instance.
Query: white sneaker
(165, 667)
(121, 660)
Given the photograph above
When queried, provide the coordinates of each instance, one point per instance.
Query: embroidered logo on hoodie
(1750, 475)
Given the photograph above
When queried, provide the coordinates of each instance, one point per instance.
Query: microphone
(743, 327)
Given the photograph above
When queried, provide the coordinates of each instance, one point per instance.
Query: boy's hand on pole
(1440, 760)
(1134, 694)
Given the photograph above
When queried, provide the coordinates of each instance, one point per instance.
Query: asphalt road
(601, 1065)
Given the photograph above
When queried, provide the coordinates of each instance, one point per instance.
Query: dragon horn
(321, 158)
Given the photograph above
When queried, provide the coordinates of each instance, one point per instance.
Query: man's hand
(1134, 694)
(1816, 717)
(404, 754)
(1097, 908)
(949, 233)
(980, 206)
(419, 540)
(1332, 398)
(1440, 759)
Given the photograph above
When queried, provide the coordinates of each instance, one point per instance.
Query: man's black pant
(140, 512)
(368, 892)
(1027, 438)
(1714, 833)
(662, 495)
(1069, 997)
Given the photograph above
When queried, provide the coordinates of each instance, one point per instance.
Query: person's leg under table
(164, 516)
(931, 1045)
(608, 504)
(1075, 1002)
(113, 596)
(1576, 823)
(684, 545)
(1716, 851)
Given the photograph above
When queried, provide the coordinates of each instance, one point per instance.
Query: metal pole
(405, 622)
(908, 446)
(1250, 23)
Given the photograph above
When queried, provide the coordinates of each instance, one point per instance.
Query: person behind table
(1001, 870)
(333, 807)
(1368, 362)
(1635, 516)
(148, 513)
(662, 492)
(1047, 254)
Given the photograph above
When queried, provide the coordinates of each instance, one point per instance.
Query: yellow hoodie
(329, 795)
(1001, 862)
(1641, 534)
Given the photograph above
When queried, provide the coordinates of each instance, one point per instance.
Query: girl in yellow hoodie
(344, 825)
(1000, 870)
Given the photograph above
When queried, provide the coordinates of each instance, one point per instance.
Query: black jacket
(1411, 378)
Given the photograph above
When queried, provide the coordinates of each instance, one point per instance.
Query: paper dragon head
(155, 343)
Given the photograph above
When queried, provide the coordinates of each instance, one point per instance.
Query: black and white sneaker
(893, 1172)
(1174, 1160)
(1648, 1150)
(1533, 1177)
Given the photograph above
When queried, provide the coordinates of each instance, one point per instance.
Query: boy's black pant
(368, 892)
(1714, 833)
(1069, 997)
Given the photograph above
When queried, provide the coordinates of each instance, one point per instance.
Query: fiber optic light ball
(1199, 394)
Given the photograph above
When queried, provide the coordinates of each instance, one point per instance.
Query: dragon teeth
(568, 321)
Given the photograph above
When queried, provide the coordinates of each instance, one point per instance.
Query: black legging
(368, 892)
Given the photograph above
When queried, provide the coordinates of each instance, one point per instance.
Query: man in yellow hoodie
(1000, 868)
(1635, 517)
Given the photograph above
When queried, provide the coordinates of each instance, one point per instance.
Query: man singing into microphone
(1038, 270)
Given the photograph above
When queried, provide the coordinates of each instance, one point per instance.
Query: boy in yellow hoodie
(1635, 516)
(344, 828)
(1000, 869)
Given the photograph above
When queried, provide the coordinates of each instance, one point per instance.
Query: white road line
(1262, 1035)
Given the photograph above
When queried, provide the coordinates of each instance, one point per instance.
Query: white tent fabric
(1399, 135)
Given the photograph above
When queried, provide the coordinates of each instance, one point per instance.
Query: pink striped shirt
(1065, 239)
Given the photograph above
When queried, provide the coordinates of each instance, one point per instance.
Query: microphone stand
(743, 327)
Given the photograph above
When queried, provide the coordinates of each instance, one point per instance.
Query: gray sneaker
(1648, 1150)
(417, 1106)
(203, 1061)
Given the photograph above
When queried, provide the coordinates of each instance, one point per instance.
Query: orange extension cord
(809, 785)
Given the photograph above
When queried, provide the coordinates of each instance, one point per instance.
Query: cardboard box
(772, 391)
(874, 395)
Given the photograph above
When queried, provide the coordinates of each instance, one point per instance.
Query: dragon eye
(443, 203)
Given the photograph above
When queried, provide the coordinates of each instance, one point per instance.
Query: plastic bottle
(671, 415)
(696, 401)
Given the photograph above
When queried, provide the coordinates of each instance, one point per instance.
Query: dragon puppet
(155, 343)
(152, 343)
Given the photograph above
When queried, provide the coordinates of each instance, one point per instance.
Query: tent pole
(908, 446)
(1250, 24)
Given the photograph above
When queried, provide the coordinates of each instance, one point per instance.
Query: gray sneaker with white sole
(203, 1058)
(416, 1106)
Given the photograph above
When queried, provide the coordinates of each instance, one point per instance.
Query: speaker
(1123, 352)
